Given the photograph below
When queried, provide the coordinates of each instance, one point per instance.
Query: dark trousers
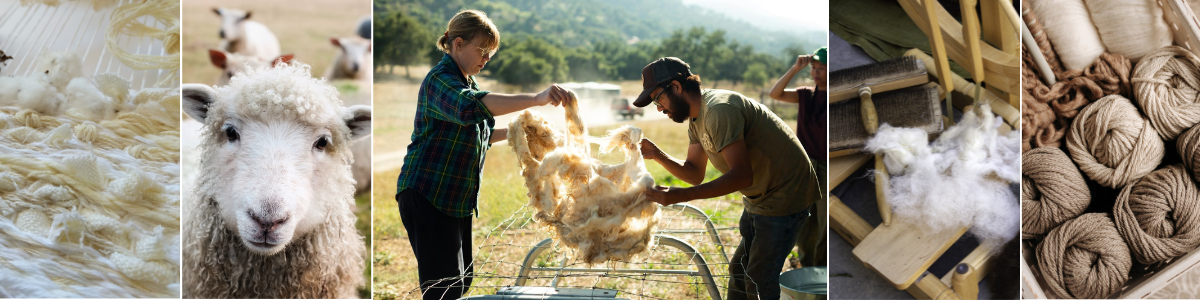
(441, 244)
(766, 243)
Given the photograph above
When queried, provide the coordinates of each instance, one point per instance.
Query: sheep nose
(354, 68)
(222, 33)
(267, 224)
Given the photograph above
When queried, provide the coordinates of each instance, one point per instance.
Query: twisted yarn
(1052, 191)
(1084, 258)
(1166, 83)
(1113, 143)
(1159, 216)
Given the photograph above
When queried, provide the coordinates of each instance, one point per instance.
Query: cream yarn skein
(1069, 26)
(1131, 28)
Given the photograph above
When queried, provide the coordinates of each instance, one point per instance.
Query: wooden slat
(901, 252)
(841, 167)
(846, 222)
(1003, 69)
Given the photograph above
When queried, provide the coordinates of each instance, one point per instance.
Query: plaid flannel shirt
(449, 141)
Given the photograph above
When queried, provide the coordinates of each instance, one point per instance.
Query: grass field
(302, 26)
(503, 232)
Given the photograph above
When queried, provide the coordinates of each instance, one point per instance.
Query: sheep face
(275, 153)
(231, 64)
(231, 22)
(356, 54)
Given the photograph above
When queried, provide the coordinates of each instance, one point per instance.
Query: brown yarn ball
(1113, 143)
(1166, 83)
(1159, 216)
(1188, 145)
(1052, 191)
(1085, 258)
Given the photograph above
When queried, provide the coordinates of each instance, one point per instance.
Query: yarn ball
(1109, 74)
(1085, 258)
(1052, 191)
(1070, 28)
(1159, 216)
(1189, 148)
(1166, 83)
(1113, 143)
(1132, 28)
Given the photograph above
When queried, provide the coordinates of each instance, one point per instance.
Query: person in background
(811, 123)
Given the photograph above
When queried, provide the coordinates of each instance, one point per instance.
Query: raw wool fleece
(1131, 28)
(598, 209)
(961, 179)
(324, 263)
(91, 208)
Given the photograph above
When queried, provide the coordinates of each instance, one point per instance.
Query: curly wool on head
(288, 92)
(1052, 191)
(326, 262)
(1113, 143)
(1159, 216)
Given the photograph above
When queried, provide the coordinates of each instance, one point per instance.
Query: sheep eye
(228, 74)
(231, 134)
(321, 144)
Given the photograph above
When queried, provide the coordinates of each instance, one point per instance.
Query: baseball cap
(821, 55)
(659, 72)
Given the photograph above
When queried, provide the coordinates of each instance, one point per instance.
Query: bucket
(808, 283)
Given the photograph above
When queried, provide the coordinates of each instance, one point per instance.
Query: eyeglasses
(484, 52)
(655, 98)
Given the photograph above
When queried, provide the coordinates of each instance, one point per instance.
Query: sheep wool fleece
(91, 208)
(598, 209)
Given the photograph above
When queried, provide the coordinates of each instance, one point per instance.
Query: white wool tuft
(85, 99)
(59, 67)
(961, 179)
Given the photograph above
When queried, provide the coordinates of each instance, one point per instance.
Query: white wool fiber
(960, 180)
(1131, 28)
(598, 209)
(1069, 27)
(89, 200)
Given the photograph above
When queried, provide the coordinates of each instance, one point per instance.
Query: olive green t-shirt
(784, 179)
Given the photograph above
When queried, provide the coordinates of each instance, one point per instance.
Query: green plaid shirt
(449, 141)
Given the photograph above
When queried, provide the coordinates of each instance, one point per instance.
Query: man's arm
(780, 91)
(690, 170)
(740, 176)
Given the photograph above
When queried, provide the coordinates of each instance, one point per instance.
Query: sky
(773, 14)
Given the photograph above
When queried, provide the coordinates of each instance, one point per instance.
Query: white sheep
(242, 36)
(271, 215)
(231, 63)
(353, 60)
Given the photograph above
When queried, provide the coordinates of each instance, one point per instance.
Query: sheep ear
(218, 58)
(358, 118)
(282, 60)
(197, 98)
(246, 17)
(335, 41)
(217, 11)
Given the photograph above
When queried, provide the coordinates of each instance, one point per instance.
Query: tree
(400, 39)
(756, 77)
